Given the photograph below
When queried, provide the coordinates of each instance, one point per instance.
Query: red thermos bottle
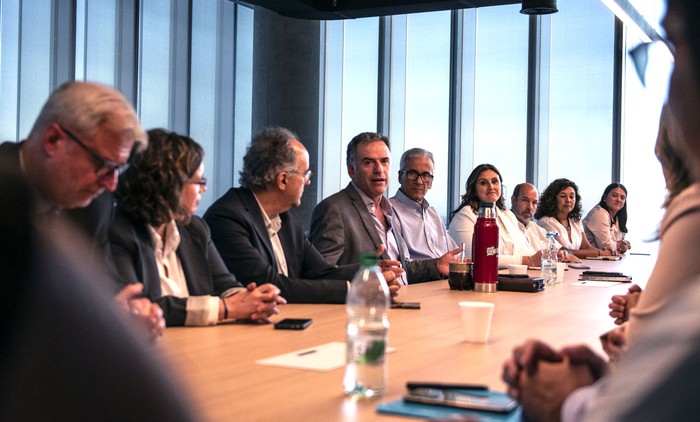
(485, 249)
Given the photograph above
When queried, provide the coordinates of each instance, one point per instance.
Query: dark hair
(548, 200)
(621, 216)
(150, 190)
(516, 190)
(470, 198)
(269, 153)
(363, 139)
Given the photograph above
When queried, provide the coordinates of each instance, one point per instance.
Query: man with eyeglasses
(259, 238)
(72, 158)
(361, 219)
(421, 225)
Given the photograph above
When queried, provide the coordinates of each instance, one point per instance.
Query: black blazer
(134, 257)
(240, 235)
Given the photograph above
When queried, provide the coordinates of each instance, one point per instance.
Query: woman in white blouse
(606, 224)
(559, 211)
(484, 185)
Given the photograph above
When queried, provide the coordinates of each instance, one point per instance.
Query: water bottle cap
(487, 204)
(368, 259)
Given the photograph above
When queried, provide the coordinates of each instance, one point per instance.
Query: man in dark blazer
(261, 240)
(342, 226)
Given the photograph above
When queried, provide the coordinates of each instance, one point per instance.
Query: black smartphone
(477, 400)
(293, 324)
(579, 266)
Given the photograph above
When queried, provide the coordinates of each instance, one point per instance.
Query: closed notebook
(520, 284)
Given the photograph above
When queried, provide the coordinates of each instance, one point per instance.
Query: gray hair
(363, 139)
(415, 153)
(85, 106)
(269, 153)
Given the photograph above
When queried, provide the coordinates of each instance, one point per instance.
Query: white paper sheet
(323, 358)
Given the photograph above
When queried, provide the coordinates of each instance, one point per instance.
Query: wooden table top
(217, 364)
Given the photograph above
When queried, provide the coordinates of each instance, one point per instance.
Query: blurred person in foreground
(657, 378)
(66, 352)
(156, 238)
(79, 144)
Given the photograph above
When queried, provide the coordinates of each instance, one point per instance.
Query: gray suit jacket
(342, 228)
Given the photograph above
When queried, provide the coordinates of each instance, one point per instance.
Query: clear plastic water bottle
(367, 304)
(549, 260)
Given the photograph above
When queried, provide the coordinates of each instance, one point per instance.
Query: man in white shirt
(523, 203)
(421, 226)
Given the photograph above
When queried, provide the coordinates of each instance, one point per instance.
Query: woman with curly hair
(156, 239)
(484, 185)
(559, 212)
(605, 224)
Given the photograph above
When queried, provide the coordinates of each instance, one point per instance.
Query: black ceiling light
(539, 7)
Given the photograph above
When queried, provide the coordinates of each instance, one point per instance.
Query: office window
(9, 71)
(350, 93)
(641, 171)
(498, 92)
(581, 98)
(95, 37)
(155, 63)
(427, 74)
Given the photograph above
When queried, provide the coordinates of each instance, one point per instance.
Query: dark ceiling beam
(351, 9)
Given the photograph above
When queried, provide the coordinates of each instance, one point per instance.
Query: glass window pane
(154, 57)
(581, 98)
(9, 71)
(500, 92)
(427, 97)
(350, 103)
(35, 62)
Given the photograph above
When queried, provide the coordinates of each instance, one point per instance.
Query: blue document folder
(428, 411)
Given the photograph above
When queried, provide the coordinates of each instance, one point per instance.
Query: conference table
(217, 365)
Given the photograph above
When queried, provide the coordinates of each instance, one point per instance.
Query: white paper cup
(561, 267)
(517, 269)
(476, 320)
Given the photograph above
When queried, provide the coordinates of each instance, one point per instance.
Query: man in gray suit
(360, 218)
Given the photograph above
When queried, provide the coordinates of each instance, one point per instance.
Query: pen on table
(308, 352)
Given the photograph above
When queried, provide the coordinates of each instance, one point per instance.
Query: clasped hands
(541, 378)
(257, 303)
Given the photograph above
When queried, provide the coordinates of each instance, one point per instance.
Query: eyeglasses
(105, 166)
(306, 175)
(413, 175)
(202, 182)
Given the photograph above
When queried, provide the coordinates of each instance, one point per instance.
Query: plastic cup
(516, 269)
(476, 320)
(561, 267)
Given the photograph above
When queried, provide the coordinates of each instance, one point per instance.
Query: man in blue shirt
(421, 226)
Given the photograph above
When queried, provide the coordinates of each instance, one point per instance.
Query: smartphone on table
(475, 400)
(293, 324)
